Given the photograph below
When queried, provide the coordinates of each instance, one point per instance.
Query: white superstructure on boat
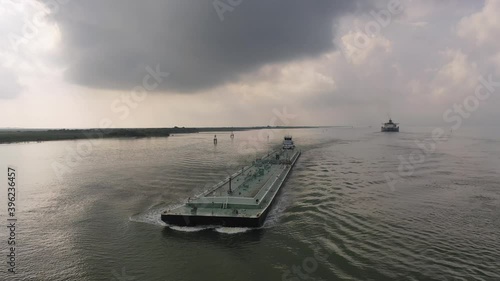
(288, 143)
(390, 127)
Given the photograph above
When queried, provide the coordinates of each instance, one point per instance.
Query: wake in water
(282, 202)
(232, 230)
(150, 216)
(188, 228)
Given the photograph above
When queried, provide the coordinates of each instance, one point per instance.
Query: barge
(244, 199)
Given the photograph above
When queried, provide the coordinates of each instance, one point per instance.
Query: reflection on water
(103, 217)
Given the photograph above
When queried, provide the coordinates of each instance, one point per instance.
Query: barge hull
(184, 220)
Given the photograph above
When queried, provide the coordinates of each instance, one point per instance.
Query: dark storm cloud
(108, 44)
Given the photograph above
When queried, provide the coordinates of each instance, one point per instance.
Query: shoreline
(9, 136)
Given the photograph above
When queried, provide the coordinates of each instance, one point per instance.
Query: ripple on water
(416, 229)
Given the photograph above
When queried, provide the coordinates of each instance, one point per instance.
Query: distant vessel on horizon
(390, 126)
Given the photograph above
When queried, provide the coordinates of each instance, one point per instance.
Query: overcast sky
(164, 63)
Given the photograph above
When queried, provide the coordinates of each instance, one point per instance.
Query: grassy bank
(26, 135)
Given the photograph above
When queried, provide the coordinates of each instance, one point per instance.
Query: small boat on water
(288, 143)
(390, 126)
(244, 199)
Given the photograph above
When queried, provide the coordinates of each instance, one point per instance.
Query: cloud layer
(108, 44)
(263, 56)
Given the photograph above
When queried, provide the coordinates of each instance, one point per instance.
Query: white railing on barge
(226, 180)
(253, 202)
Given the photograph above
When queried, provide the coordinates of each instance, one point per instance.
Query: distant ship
(390, 126)
(242, 200)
